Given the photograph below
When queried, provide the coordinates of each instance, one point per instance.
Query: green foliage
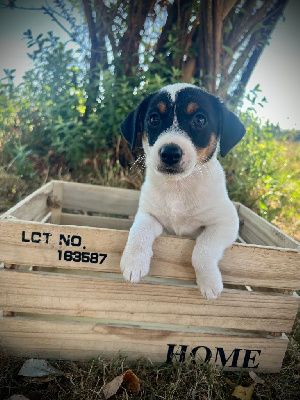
(43, 127)
(262, 173)
(45, 115)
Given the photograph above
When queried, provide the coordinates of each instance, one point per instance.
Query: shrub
(262, 173)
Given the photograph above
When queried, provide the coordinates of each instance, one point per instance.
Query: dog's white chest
(184, 207)
(178, 207)
(178, 215)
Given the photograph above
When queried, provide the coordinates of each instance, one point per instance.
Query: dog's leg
(208, 251)
(135, 261)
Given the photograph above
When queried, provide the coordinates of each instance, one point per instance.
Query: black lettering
(24, 238)
(63, 238)
(224, 360)
(47, 236)
(207, 357)
(75, 239)
(171, 353)
(248, 358)
(38, 234)
(103, 257)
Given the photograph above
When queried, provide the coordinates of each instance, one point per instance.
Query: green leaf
(228, 50)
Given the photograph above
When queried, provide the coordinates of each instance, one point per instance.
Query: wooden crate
(56, 306)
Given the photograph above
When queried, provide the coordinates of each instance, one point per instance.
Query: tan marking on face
(192, 107)
(144, 137)
(205, 152)
(162, 107)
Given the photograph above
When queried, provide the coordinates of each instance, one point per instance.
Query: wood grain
(242, 264)
(146, 302)
(76, 341)
(96, 222)
(256, 230)
(79, 196)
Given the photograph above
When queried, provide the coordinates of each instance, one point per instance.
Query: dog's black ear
(232, 131)
(133, 123)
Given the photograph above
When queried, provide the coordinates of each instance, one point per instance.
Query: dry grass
(13, 188)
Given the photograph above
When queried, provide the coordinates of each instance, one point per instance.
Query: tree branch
(171, 20)
(129, 43)
(227, 7)
(90, 22)
(50, 12)
(270, 22)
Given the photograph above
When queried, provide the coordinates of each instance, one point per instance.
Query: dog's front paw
(210, 287)
(135, 267)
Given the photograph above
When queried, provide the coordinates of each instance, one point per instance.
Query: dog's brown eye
(199, 120)
(154, 119)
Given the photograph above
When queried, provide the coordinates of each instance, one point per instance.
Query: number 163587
(81, 256)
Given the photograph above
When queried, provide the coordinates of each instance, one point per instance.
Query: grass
(12, 189)
(85, 380)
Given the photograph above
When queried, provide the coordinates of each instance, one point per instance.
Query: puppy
(184, 191)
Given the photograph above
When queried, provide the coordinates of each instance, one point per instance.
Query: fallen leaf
(256, 378)
(43, 379)
(36, 368)
(229, 382)
(244, 393)
(112, 387)
(130, 380)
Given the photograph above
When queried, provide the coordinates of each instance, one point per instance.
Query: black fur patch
(199, 115)
(166, 118)
(207, 105)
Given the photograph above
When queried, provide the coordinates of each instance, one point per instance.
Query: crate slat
(34, 207)
(40, 293)
(78, 341)
(242, 264)
(96, 222)
(110, 200)
(256, 230)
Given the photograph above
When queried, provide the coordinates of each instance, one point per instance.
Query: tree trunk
(218, 42)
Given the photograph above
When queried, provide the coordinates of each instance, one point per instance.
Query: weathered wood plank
(34, 207)
(75, 341)
(96, 222)
(256, 230)
(242, 264)
(40, 293)
(102, 199)
(47, 218)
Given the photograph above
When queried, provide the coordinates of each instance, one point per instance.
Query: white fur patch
(135, 261)
(189, 157)
(176, 87)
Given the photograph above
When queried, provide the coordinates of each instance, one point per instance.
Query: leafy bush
(262, 173)
(44, 116)
(44, 131)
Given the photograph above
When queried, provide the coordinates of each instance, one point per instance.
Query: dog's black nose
(170, 154)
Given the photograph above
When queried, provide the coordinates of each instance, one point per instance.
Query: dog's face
(181, 126)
